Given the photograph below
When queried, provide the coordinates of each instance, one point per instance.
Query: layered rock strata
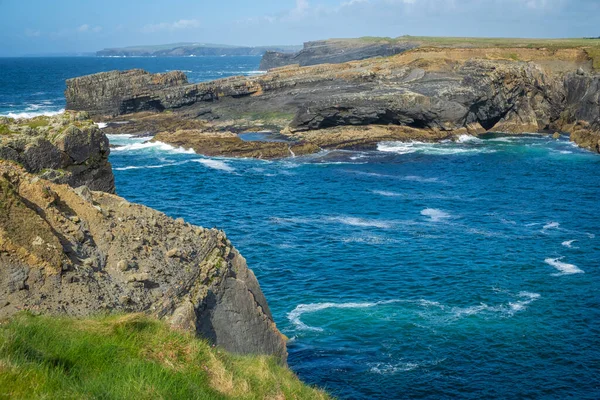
(67, 148)
(436, 93)
(80, 252)
(334, 51)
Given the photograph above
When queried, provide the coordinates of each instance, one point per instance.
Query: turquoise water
(466, 269)
(422, 271)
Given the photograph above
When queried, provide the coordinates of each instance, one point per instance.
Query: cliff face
(104, 93)
(78, 252)
(67, 148)
(420, 94)
(334, 51)
(582, 116)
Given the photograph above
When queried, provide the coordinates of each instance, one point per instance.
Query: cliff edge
(80, 252)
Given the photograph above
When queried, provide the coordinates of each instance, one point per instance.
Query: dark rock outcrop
(436, 93)
(67, 148)
(334, 51)
(116, 92)
(79, 252)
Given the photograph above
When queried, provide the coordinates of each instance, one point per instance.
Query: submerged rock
(87, 252)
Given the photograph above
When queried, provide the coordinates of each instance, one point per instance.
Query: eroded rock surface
(67, 148)
(437, 93)
(81, 252)
(334, 51)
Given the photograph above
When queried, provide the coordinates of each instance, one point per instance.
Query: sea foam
(153, 146)
(28, 115)
(435, 215)
(215, 164)
(435, 312)
(564, 268)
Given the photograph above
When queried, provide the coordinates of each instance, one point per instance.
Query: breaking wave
(441, 313)
(153, 146)
(215, 164)
(564, 268)
(446, 148)
(33, 114)
(435, 215)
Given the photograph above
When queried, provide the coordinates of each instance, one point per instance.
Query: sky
(70, 26)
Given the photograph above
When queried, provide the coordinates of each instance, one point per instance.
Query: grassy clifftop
(131, 356)
(590, 46)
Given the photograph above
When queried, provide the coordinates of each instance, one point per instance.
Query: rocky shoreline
(69, 246)
(423, 94)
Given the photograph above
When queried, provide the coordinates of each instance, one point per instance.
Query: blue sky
(55, 26)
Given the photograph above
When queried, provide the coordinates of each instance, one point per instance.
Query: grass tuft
(130, 356)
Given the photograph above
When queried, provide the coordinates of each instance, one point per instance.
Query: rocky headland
(426, 94)
(67, 148)
(192, 50)
(334, 51)
(79, 252)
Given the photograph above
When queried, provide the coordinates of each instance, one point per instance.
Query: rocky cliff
(67, 148)
(425, 94)
(79, 252)
(334, 51)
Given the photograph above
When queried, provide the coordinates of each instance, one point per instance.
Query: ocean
(466, 269)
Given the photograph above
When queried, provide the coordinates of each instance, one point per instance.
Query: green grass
(5, 130)
(38, 122)
(130, 357)
(590, 45)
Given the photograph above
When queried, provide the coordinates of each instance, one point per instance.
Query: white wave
(111, 136)
(416, 178)
(153, 146)
(551, 225)
(101, 125)
(386, 193)
(569, 243)
(564, 268)
(144, 167)
(430, 148)
(215, 164)
(435, 214)
(504, 309)
(353, 221)
(468, 138)
(450, 314)
(295, 315)
(28, 115)
(255, 72)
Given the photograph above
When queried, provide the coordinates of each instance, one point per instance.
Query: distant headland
(193, 50)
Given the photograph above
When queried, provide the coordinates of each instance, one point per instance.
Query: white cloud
(172, 26)
(88, 28)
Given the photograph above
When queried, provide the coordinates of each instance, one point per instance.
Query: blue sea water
(466, 269)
